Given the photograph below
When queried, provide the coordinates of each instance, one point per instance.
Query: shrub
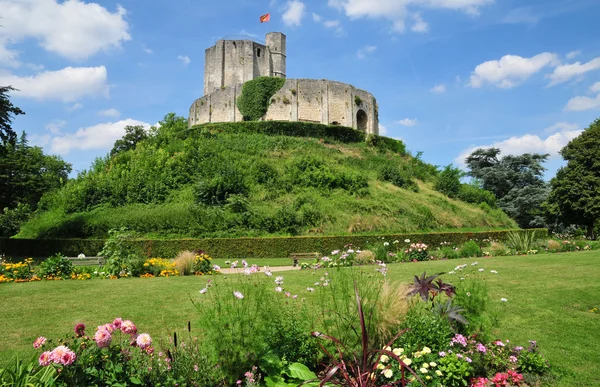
(184, 262)
(448, 181)
(447, 252)
(203, 264)
(521, 242)
(498, 249)
(417, 252)
(56, 266)
(160, 267)
(472, 296)
(470, 249)
(253, 103)
(472, 194)
(455, 371)
(397, 177)
(121, 258)
(230, 180)
(424, 329)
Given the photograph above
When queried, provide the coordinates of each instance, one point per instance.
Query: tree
(575, 191)
(448, 181)
(133, 135)
(26, 173)
(7, 111)
(516, 181)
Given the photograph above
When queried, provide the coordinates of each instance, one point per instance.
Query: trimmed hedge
(299, 129)
(240, 247)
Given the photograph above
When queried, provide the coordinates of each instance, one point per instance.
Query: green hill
(247, 179)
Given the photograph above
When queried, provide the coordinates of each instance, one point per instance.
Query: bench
(87, 261)
(296, 257)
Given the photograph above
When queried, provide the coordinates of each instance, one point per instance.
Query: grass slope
(549, 298)
(225, 184)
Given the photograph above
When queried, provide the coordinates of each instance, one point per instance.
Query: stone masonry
(230, 63)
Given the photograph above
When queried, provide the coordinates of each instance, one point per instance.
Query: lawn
(549, 298)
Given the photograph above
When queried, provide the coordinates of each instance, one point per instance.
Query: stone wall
(308, 100)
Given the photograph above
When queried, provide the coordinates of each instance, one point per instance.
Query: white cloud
(521, 15)
(294, 13)
(72, 29)
(316, 17)
(55, 126)
(510, 70)
(363, 52)
(336, 26)
(420, 25)
(564, 73)
(407, 122)
(573, 54)
(101, 136)
(382, 130)
(184, 59)
(561, 127)
(595, 88)
(109, 113)
(68, 84)
(530, 143)
(8, 57)
(147, 50)
(75, 106)
(580, 103)
(438, 89)
(397, 10)
(40, 140)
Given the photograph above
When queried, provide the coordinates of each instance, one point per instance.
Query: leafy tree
(448, 181)
(7, 111)
(26, 173)
(133, 135)
(575, 191)
(516, 181)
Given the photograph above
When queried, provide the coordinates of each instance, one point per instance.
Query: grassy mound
(231, 181)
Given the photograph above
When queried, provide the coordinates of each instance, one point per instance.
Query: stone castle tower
(230, 63)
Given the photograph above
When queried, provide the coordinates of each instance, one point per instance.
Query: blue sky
(449, 75)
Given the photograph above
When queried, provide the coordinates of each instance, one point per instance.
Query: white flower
(279, 280)
(238, 295)
(203, 290)
(386, 244)
(474, 263)
(350, 251)
(504, 299)
(481, 270)
(384, 358)
(279, 289)
(407, 241)
(268, 273)
(310, 289)
(493, 272)
(388, 373)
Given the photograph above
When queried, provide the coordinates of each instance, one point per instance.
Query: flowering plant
(203, 265)
(417, 252)
(160, 267)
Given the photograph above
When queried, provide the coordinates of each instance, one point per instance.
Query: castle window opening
(258, 53)
(361, 120)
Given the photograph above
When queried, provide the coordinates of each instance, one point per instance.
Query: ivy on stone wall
(256, 94)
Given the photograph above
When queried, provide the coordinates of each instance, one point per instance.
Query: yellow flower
(398, 351)
(425, 365)
(384, 358)
(426, 350)
(423, 370)
(417, 354)
(380, 366)
(438, 372)
(407, 361)
(428, 377)
(433, 364)
(388, 373)
(387, 348)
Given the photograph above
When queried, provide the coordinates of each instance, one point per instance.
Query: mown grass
(549, 298)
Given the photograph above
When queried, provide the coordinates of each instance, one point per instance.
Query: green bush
(309, 171)
(425, 329)
(448, 181)
(120, 255)
(230, 180)
(471, 194)
(11, 219)
(256, 94)
(470, 249)
(455, 372)
(56, 266)
(397, 177)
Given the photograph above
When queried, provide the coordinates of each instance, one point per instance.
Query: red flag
(265, 18)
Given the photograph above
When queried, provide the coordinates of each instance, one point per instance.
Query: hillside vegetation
(234, 180)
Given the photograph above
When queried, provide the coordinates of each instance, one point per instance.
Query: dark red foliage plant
(358, 368)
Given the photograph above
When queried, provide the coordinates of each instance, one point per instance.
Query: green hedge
(299, 129)
(240, 247)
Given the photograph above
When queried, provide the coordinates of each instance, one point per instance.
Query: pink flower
(107, 327)
(39, 342)
(128, 327)
(481, 348)
(80, 330)
(117, 323)
(513, 359)
(499, 343)
(144, 340)
(45, 358)
(196, 367)
(149, 350)
(62, 355)
(238, 295)
(102, 337)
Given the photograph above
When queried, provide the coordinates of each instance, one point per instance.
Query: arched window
(361, 120)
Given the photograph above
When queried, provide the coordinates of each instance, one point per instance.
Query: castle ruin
(230, 63)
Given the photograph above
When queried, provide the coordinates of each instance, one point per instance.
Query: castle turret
(276, 42)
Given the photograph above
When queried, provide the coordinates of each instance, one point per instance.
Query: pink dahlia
(39, 342)
(62, 355)
(102, 337)
(80, 330)
(128, 327)
(144, 340)
(117, 323)
(45, 358)
(108, 327)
